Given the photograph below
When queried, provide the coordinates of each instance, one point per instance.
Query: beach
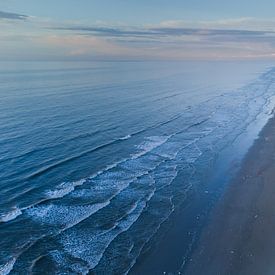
(239, 238)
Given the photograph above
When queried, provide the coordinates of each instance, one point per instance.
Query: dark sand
(240, 237)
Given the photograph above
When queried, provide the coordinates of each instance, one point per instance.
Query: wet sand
(240, 236)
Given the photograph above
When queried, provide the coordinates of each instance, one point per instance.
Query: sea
(96, 157)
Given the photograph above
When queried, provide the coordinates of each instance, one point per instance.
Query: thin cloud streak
(12, 16)
(161, 31)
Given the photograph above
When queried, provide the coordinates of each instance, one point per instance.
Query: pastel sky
(136, 29)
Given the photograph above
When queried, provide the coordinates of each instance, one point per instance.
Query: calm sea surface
(95, 157)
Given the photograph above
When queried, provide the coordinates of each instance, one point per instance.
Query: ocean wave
(63, 216)
(125, 137)
(90, 248)
(104, 188)
(60, 217)
(52, 166)
(63, 189)
(13, 214)
(108, 183)
(145, 147)
(157, 218)
(152, 142)
(146, 143)
(60, 261)
(42, 149)
(87, 244)
(6, 268)
(66, 188)
(169, 150)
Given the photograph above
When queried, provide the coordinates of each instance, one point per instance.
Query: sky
(136, 30)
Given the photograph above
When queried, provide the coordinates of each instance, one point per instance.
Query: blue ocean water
(94, 157)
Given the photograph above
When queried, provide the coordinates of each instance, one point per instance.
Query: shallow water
(91, 153)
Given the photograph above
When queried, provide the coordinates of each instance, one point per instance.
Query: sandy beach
(239, 238)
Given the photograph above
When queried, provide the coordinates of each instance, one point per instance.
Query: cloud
(242, 23)
(164, 32)
(118, 32)
(170, 40)
(12, 16)
(164, 36)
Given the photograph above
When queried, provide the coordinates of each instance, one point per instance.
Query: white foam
(152, 143)
(147, 146)
(140, 166)
(125, 137)
(192, 153)
(61, 215)
(5, 269)
(90, 246)
(80, 243)
(62, 262)
(169, 150)
(116, 182)
(165, 175)
(64, 189)
(10, 215)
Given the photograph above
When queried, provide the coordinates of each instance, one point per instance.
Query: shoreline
(239, 236)
(167, 254)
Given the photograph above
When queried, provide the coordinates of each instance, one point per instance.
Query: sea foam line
(93, 257)
(6, 268)
(66, 188)
(13, 214)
